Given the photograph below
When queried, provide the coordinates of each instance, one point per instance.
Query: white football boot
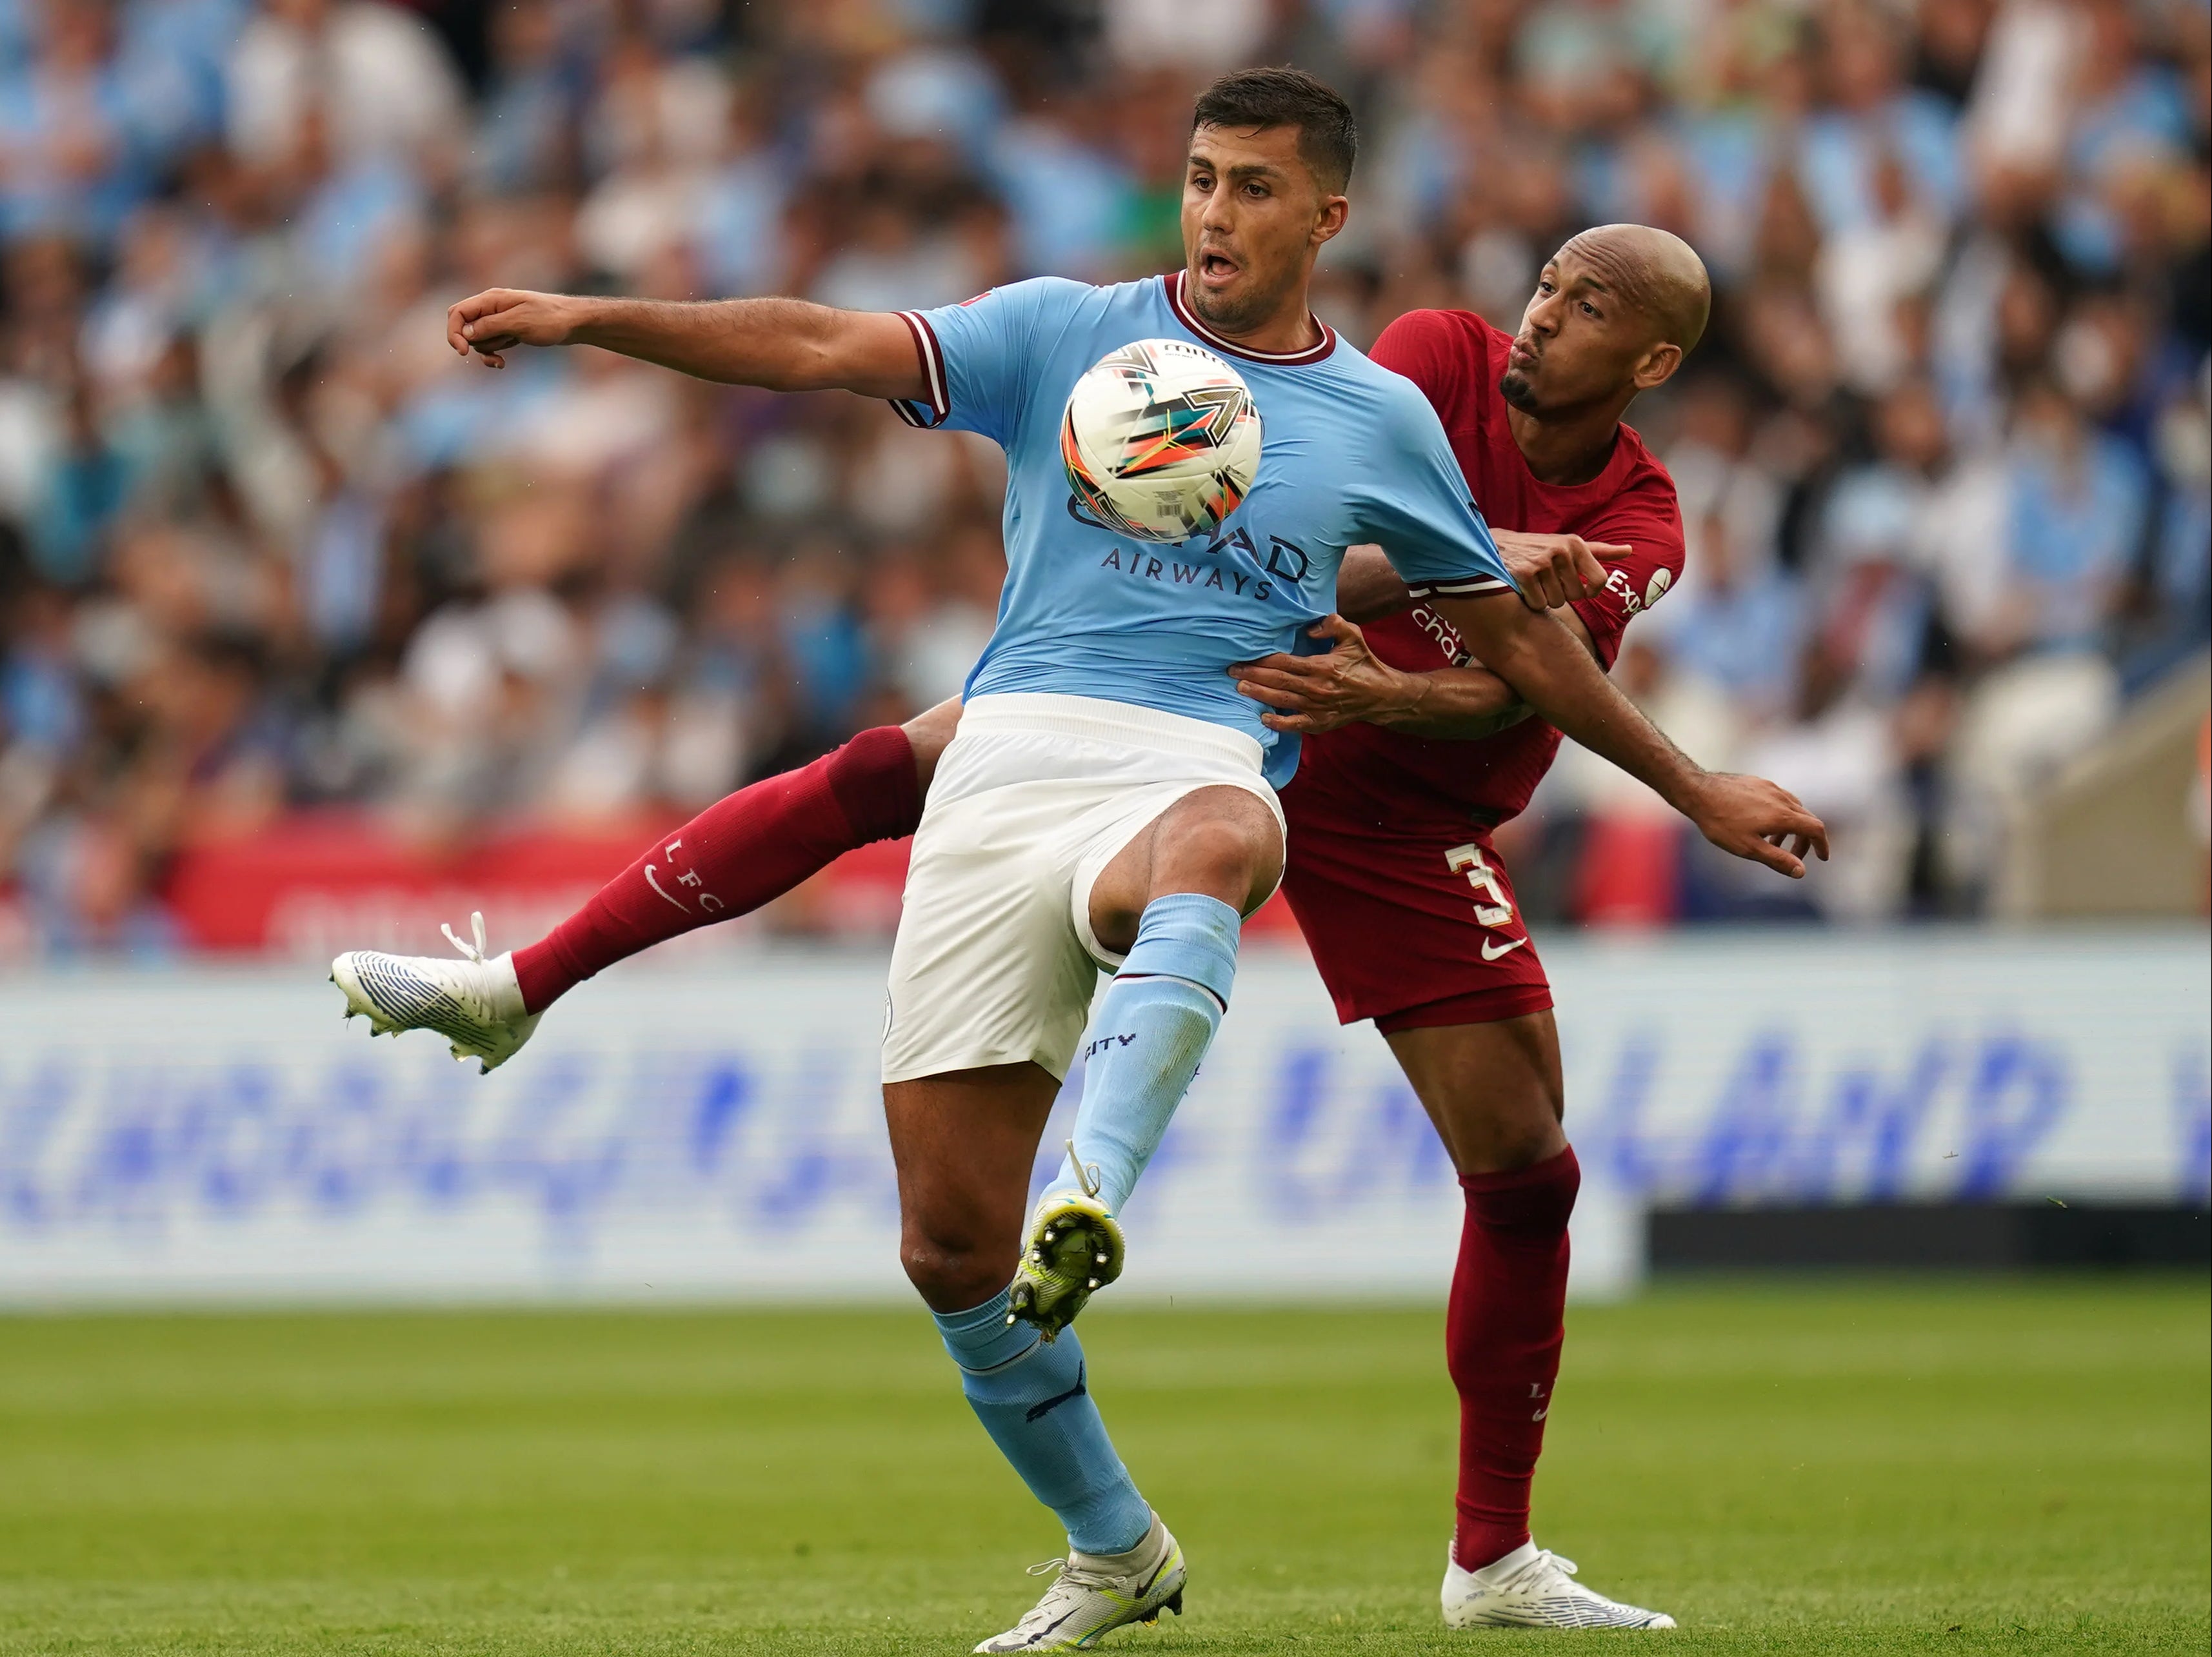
(1094, 1594)
(1534, 1587)
(474, 1002)
(1074, 1246)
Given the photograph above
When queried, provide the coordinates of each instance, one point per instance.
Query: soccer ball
(1160, 439)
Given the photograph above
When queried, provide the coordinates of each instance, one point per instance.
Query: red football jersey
(1458, 359)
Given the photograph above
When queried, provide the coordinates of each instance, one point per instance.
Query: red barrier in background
(311, 885)
(317, 883)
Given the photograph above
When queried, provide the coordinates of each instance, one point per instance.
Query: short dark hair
(1329, 138)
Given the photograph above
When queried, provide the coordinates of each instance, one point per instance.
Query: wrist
(1689, 789)
(1402, 697)
(580, 315)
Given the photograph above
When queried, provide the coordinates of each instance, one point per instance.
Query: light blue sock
(1033, 1397)
(1153, 1027)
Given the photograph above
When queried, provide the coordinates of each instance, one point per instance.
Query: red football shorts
(1411, 917)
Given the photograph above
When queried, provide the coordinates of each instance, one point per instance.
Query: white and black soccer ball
(1160, 439)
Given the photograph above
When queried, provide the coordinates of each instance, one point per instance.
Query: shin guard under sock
(1152, 1029)
(1502, 1339)
(1033, 1397)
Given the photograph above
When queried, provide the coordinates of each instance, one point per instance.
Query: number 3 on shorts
(1469, 861)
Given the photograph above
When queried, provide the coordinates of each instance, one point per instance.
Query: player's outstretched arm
(1749, 817)
(783, 344)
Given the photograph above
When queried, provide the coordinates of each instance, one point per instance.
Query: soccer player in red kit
(1415, 754)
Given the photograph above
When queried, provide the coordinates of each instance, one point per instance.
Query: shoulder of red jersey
(1645, 469)
(1446, 352)
(1639, 499)
(1645, 515)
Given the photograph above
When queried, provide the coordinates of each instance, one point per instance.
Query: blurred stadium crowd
(269, 549)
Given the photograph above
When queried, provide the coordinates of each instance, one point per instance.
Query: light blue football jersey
(1350, 453)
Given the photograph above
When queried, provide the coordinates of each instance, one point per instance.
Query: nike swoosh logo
(1491, 949)
(655, 884)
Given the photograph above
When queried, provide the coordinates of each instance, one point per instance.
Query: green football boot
(1074, 1249)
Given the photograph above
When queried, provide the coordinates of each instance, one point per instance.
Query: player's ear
(1658, 366)
(1334, 210)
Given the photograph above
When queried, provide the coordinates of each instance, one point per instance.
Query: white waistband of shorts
(1094, 718)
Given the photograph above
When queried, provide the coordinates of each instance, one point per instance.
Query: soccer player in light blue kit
(1109, 801)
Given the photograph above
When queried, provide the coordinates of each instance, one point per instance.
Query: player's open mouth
(1216, 267)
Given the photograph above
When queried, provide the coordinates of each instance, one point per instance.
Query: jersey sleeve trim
(1466, 588)
(939, 408)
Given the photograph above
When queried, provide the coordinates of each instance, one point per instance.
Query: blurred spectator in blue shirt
(75, 137)
(2079, 500)
(527, 136)
(1737, 624)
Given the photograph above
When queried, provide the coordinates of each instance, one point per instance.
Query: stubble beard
(1515, 387)
(1227, 316)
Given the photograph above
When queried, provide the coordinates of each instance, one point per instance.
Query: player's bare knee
(1221, 841)
(1514, 1127)
(949, 1269)
(950, 1282)
(1205, 856)
(1522, 1142)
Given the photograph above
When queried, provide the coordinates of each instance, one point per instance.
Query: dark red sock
(1502, 1339)
(737, 854)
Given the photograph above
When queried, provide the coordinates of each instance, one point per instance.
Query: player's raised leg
(1494, 1091)
(1169, 902)
(964, 1144)
(741, 853)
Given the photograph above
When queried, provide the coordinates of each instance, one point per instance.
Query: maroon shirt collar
(1189, 317)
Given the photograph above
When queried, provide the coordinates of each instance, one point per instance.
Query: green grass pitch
(1839, 1467)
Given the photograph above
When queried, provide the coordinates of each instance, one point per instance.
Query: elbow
(1361, 608)
(814, 366)
(1501, 633)
(801, 355)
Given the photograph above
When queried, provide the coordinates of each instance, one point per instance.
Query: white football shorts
(995, 961)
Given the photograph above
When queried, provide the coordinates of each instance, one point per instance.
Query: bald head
(1659, 276)
(1615, 312)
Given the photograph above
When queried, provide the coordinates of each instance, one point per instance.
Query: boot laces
(471, 990)
(1087, 1174)
(1544, 1562)
(469, 952)
(1070, 1580)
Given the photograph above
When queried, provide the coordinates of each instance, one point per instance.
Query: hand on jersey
(1325, 693)
(1758, 820)
(1552, 570)
(1311, 694)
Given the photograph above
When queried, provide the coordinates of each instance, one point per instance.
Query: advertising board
(715, 1130)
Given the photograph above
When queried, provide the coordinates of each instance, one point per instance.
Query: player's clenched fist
(494, 322)
(1758, 820)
